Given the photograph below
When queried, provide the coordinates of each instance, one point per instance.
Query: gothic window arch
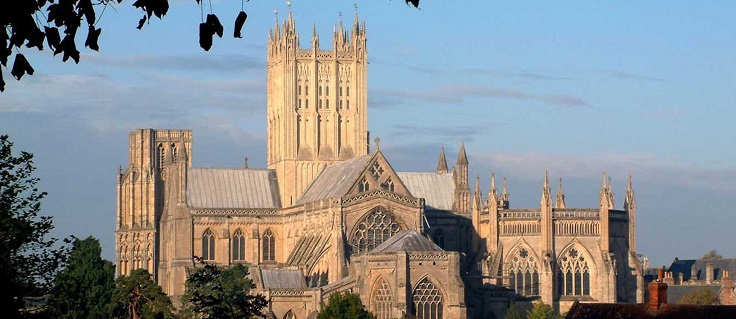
(289, 315)
(388, 185)
(161, 155)
(381, 299)
(524, 272)
(238, 245)
(573, 275)
(375, 228)
(174, 152)
(208, 245)
(124, 259)
(363, 185)
(269, 245)
(427, 300)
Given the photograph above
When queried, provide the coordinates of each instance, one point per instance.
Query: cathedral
(330, 214)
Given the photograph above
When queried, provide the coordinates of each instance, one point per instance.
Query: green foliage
(513, 313)
(541, 311)
(213, 292)
(28, 260)
(83, 289)
(137, 296)
(344, 305)
(699, 296)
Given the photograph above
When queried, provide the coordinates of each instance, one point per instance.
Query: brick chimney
(668, 278)
(727, 294)
(708, 273)
(657, 293)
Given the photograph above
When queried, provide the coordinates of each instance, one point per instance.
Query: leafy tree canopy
(541, 311)
(137, 296)
(699, 296)
(713, 254)
(344, 305)
(513, 313)
(213, 292)
(28, 260)
(83, 289)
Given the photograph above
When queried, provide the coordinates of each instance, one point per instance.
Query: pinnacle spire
(560, 200)
(442, 163)
(629, 200)
(462, 158)
(545, 189)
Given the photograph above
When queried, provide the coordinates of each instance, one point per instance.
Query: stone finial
(442, 163)
(245, 162)
(377, 140)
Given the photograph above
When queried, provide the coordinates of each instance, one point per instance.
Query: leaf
(205, 36)
(69, 48)
(160, 7)
(215, 24)
(415, 3)
(141, 22)
(239, 22)
(85, 7)
(53, 38)
(92, 36)
(21, 67)
(2, 82)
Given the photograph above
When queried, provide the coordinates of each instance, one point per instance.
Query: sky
(646, 88)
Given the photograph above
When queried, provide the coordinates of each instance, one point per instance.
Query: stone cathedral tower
(317, 104)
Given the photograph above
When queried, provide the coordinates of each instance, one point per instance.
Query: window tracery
(376, 170)
(161, 155)
(269, 246)
(382, 300)
(377, 227)
(388, 185)
(427, 300)
(573, 276)
(363, 185)
(524, 273)
(208, 245)
(238, 245)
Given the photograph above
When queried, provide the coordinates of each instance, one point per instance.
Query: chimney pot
(657, 294)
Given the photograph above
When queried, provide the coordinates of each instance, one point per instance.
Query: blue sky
(575, 87)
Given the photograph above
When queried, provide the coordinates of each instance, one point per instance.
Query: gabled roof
(283, 278)
(335, 180)
(406, 240)
(438, 190)
(232, 188)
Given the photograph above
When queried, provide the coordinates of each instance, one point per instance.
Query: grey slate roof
(438, 190)
(232, 188)
(685, 266)
(406, 240)
(283, 278)
(335, 180)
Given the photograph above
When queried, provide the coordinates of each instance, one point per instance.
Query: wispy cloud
(632, 76)
(459, 94)
(455, 133)
(208, 62)
(489, 72)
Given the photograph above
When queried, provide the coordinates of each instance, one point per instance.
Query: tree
(344, 305)
(712, 255)
(28, 260)
(137, 296)
(700, 296)
(513, 313)
(214, 292)
(83, 289)
(541, 311)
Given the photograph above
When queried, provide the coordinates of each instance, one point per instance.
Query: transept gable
(378, 174)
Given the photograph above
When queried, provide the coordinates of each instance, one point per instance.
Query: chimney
(708, 273)
(657, 293)
(681, 277)
(669, 279)
(727, 296)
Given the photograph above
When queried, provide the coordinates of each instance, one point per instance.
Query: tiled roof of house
(232, 188)
(685, 266)
(639, 311)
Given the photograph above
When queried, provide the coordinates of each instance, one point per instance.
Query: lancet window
(573, 276)
(238, 243)
(161, 155)
(269, 246)
(524, 273)
(363, 185)
(427, 300)
(208, 245)
(382, 300)
(174, 152)
(388, 185)
(289, 315)
(377, 227)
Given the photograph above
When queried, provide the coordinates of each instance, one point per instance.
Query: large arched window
(269, 246)
(289, 315)
(427, 300)
(238, 245)
(382, 299)
(374, 229)
(524, 273)
(208, 245)
(573, 276)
